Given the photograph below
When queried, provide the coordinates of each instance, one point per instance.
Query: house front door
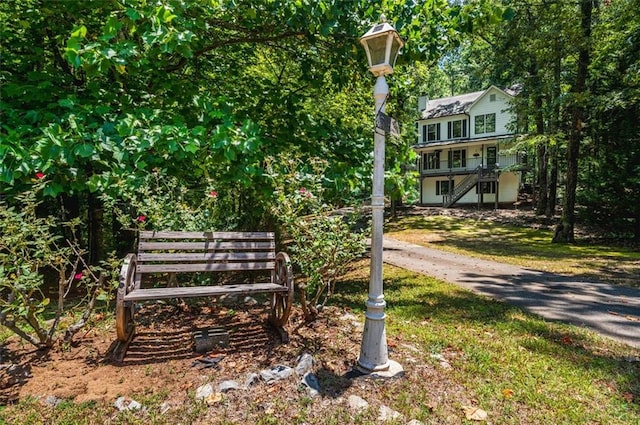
(492, 156)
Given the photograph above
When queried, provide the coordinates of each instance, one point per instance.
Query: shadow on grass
(423, 302)
(614, 264)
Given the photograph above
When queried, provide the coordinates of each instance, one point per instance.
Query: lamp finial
(383, 19)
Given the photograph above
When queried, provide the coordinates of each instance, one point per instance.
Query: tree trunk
(96, 231)
(553, 183)
(564, 232)
(543, 161)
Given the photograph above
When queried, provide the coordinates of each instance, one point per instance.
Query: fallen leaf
(628, 397)
(475, 413)
(507, 393)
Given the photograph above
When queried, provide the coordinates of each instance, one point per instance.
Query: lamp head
(382, 45)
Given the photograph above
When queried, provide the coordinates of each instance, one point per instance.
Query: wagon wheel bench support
(192, 252)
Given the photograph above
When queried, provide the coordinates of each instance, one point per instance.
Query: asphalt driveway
(611, 310)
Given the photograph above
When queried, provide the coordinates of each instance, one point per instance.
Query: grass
(521, 246)
(458, 349)
(514, 365)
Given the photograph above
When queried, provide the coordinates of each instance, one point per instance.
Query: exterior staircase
(468, 183)
(461, 189)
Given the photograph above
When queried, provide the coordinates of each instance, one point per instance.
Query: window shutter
(464, 128)
(449, 130)
(438, 131)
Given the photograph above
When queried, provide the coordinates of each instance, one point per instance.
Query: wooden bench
(167, 255)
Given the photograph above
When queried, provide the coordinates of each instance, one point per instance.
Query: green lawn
(520, 246)
(458, 349)
(516, 366)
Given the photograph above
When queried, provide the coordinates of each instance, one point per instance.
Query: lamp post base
(391, 369)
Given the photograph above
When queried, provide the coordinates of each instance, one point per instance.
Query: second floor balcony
(431, 166)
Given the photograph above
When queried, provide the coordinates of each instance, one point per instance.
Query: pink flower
(141, 218)
(77, 276)
(304, 192)
(39, 175)
(213, 194)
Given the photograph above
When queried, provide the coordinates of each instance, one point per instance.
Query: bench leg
(281, 301)
(125, 309)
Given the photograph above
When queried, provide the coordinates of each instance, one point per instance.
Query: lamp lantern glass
(382, 45)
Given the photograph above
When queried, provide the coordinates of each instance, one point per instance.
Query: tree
(564, 231)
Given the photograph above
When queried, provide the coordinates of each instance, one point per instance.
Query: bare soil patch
(161, 362)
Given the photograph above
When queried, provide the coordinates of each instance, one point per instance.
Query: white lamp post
(382, 45)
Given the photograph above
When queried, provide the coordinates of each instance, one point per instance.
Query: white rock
(228, 386)
(357, 403)
(388, 414)
(123, 403)
(204, 391)
(251, 379)
(310, 381)
(305, 364)
(250, 301)
(276, 373)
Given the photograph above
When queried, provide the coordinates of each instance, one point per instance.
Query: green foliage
(161, 202)
(29, 246)
(321, 241)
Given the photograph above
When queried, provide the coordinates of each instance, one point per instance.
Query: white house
(462, 149)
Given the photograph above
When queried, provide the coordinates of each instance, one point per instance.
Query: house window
(430, 132)
(433, 132)
(487, 187)
(492, 98)
(458, 158)
(485, 123)
(457, 129)
(431, 160)
(444, 187)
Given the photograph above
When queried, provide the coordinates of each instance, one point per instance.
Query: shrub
(320, 239)
(29, 245)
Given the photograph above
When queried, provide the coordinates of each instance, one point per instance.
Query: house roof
(454, 105)
(461, 104)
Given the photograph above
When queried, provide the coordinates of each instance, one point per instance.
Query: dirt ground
(162, 354)
(161, 364)
(161, 358)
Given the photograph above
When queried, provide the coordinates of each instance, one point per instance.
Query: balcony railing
(472, 164)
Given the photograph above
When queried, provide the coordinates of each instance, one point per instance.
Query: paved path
(611, 310)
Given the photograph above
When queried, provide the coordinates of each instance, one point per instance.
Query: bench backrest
(176, 252)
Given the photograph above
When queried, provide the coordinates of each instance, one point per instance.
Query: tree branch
(239, 40)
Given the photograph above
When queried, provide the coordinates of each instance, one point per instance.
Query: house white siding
(492, 102)
(507, 188)
(462, 141)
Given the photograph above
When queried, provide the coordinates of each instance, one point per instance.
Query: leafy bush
(29, 246)
(162, 202)
(319, 238)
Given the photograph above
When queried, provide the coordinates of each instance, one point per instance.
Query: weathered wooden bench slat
(204, 267)
(205, 246)
(205, 235)
(188, 252)
(203, 291)
(216, 257)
